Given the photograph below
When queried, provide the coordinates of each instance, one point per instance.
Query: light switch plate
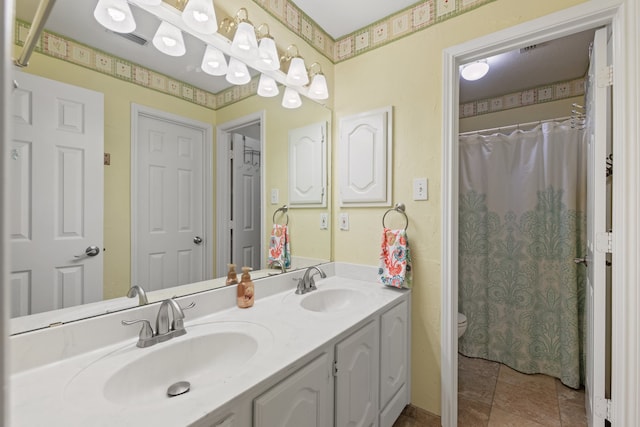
(420, 189)
(275, 196)
(324, 221)
(344, 221)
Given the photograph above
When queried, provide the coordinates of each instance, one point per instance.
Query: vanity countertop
(42, 387)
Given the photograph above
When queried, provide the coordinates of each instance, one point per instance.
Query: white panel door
(364, 159)
(55, 196)
(246, 228)
(169, 236)
(301, 400)
(307, 165)
(357, 364)
(597, 134)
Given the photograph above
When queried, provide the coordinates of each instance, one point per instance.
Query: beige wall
(408, 75)
(118, 96)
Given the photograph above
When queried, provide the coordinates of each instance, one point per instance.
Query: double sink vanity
(334, 356)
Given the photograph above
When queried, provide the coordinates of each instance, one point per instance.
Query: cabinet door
(301, 400)
(357, 378)
(308, 165)
(393, 352)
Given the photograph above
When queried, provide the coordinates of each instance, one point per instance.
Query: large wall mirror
(244, 151)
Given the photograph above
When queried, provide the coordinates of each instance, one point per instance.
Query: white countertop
(46, 362)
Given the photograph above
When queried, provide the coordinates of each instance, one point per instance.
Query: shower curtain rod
(516, 126)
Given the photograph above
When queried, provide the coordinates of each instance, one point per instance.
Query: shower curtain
(522, 222)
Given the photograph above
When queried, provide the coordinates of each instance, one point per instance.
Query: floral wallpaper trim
(71, 51)
(537, 95)
(415, 18)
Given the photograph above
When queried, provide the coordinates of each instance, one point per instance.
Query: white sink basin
(332, 300)
(208, 355)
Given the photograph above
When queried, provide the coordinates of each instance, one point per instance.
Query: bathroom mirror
(309, 242)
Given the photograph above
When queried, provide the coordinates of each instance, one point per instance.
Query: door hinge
(603, 408)
(605, 76)
(604, 242)
(335, 368)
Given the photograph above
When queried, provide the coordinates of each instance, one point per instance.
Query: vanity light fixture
(267, 51)
(244, 44)
(150, 2)
(238, 73)
(318, 87)
(267, 86)
(291, 98)
(200, 16)
(168, 40)
(115, 15)
(214, 62)
(297, 74)
(475, 70)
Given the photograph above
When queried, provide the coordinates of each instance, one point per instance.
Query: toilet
(462, 324)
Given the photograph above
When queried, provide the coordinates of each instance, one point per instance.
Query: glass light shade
(475, 70)
(291, 98)
(149, 2)
(268, 54)
(214, 62)
(267, 86)
(200, 16)
(238, 73)
(115, 15)
(168, 40)
(297, 74)
(244, 43)
(318, 87)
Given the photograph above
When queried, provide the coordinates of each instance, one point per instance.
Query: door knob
(197, 240)
(90, 251)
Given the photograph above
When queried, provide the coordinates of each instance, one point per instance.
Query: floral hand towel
(279, 249)
(395, 259)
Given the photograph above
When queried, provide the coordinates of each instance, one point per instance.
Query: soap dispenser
(232, 277)
(246, 289)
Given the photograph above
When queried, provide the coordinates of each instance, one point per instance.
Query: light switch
(420, 190)
(324, 221)
(275, 196)
(344, 221)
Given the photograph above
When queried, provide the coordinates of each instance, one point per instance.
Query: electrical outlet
(420, 189)
(324, 221)
(275, 196)
(344, 221)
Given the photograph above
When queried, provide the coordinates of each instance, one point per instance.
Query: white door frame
(222, 186)
(207, 175)
(623, 16)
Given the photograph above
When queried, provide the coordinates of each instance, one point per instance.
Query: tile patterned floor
(494, 395)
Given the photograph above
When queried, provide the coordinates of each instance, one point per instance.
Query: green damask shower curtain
(521, 224)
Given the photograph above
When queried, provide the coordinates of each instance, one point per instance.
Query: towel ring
(284, 210)
(400, 208)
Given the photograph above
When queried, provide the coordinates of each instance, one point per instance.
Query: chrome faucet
(136, 290)
(165, 329)
(278, 263)
(307, 282)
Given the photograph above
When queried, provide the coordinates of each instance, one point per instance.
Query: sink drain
(181, 387)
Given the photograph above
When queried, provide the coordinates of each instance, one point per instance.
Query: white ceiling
(551, 62)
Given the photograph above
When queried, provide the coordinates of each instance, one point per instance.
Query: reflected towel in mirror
(395, 259)
(279, 248)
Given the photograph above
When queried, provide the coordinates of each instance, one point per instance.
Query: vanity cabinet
(301, 400)
(356, 378)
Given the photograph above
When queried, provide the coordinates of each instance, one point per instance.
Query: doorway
(240, 192)
(539, 31)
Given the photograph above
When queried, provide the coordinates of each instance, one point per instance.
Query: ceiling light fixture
(267, 86)
(475, 70)
(200, 16)
(115, 15)
(214, 62)
(297, 74)
(238, 73)
(291, 98)
(168, 40)
(318, 87)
